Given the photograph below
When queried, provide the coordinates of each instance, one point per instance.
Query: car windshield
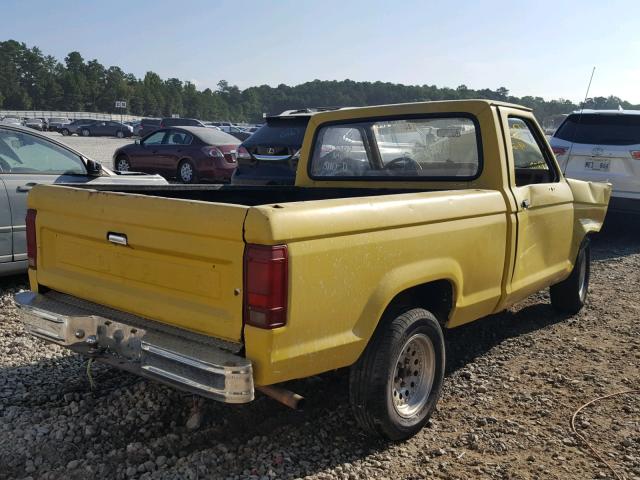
(280, 132)
(601, 129)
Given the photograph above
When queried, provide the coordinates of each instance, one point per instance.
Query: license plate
(597, 164)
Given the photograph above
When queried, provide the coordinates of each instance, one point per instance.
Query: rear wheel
(395, 385)
(120, 134)
(570, 295)
(187, 172)
(64, 132)
(122, 164)
(85, 132)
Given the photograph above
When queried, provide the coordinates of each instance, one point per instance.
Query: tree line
(31, 80)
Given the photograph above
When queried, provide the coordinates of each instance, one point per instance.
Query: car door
(146, 157)
(544, 203)
(6, 230)
(28, 160)
(175, 149)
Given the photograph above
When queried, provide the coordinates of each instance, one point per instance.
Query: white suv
(603, 146)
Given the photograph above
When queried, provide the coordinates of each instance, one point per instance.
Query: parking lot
(97, 148)
(513, 382)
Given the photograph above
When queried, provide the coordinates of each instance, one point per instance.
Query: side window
(178, 138)
(24, 153)
(429, 148)
(530, 163)
(155, 138)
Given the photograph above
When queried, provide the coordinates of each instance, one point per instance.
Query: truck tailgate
(181, 265)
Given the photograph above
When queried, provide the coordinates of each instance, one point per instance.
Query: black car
(268, 157)
(147, 126)
(73, 126)
(180, 122)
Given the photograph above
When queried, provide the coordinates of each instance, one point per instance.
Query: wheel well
(436, 296)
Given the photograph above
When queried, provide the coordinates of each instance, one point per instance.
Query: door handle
(525, 203)
(26, 187)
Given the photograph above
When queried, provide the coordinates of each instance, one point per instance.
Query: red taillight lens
(265, 285)
(243, 154)
(635, 154)
(213, 152)
(32, 246)
(559, 151)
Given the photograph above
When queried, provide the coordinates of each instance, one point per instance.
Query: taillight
(32, 246)
(243, 154)
(559, 151)
(265, 285)
(635, 154)
(213, 152)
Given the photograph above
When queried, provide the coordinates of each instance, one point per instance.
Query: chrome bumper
(185, 363)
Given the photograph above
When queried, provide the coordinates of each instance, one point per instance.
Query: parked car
(268, 157)
(180, 122)
(603, 146)
(36, 124)
(147, 126)
(73, 126)
(240, 133)
(9, 120)
(28, 159)
(226, 290)
(105, 128)
(56, 123)
(190, 154)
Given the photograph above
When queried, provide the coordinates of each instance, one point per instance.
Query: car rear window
(435, 148)
(280, 132)
(601, 129)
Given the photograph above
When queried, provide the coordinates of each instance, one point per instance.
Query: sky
(531, 47)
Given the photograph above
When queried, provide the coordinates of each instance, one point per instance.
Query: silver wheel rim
(413, 375)
(186, 173)
(119, 134)
(582, 276)
(85, 133)
(123, 165)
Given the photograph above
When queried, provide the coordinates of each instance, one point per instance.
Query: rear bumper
(624, 205)
(183, 362)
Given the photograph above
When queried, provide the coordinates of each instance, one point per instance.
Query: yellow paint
(348, 258)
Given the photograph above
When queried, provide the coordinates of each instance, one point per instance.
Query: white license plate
(601, 165)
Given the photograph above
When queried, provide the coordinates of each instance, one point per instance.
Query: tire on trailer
(397, 381)
(570, 295)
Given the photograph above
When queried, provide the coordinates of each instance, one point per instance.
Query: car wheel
(120, 134)
(123, 165)
(395, 385)
(187, 172)
(570, 295)
(64, 132)
(85, 132)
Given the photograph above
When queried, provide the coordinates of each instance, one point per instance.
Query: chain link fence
(69, 115)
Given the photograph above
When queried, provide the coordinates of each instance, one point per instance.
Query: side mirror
(94, 169)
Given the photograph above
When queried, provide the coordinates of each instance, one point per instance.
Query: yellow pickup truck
(404, 220)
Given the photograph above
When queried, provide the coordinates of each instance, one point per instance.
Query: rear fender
(591, 200)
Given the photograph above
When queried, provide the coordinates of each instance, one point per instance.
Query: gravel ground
(99, 149)
(513, 382)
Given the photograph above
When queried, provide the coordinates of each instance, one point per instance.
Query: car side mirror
(94, 169)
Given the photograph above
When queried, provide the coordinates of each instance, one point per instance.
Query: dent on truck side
(590, 206)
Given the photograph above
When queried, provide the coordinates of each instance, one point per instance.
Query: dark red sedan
(190, 154)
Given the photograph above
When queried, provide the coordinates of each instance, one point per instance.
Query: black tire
(184, 164)
(570, 295)
(120, 134)
(85, 132)
(376, 381)
(65, 132)
(122, 164)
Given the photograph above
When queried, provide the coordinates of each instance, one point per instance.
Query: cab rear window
(601, 129)
(434, 148)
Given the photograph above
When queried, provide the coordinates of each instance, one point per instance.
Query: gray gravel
(513, 382)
